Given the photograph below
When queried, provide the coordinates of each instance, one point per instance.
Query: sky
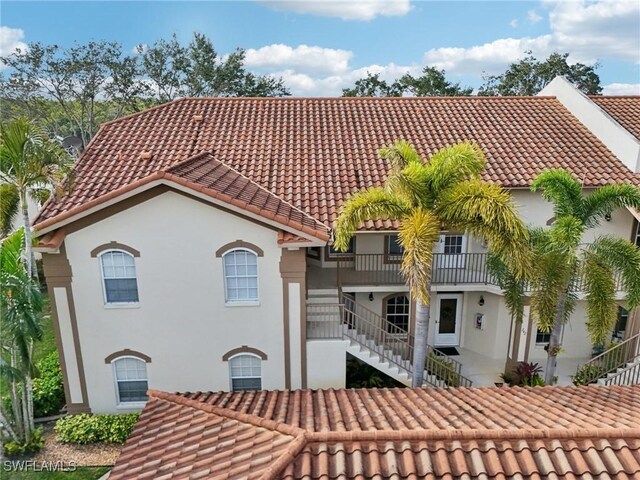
(320, 47)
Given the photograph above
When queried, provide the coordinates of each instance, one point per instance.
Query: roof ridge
(142, 112)
(255, 420)
(355, 99)
(253, 182)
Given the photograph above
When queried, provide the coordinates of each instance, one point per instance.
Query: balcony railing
(379, 269)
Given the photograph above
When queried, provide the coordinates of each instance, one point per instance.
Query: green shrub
(524, 375)
(84, 428)
(48, 390)
(442, 368)
(15, 449)
(589, 373)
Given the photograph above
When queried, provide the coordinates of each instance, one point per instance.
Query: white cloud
(533, 16)
(345, 9)
(621, 89)
(10, 40)
(301, 58)
(513, 23)
(587, 30)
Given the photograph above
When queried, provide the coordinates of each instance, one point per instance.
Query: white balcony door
(452, 249)
(448, 317)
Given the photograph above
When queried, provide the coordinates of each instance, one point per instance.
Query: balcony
(448, 269)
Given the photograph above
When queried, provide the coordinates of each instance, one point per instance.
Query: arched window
(240, 275)
(245, 372)
(119, 277)
(131, 379)
(397, 311)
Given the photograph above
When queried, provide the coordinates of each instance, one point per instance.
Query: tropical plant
(20, 307)
(562, 264)
(85, 428)
(48, 389)
(423, 197)
(30, 165)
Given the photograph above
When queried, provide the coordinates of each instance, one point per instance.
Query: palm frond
(565, 235)
(400, 154)
(9, 206)
(487, 211)
(418, 234)
(560, 188)
(623, 259)
(600, 286)
(371, 204)
(453, 164)
(606, 199)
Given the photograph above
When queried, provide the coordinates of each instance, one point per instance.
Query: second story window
(119, 277)
(453, 244)
(394, 249)
(637, 239)
(335, 253)
(240, 276)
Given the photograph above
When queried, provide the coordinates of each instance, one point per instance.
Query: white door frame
(447, 339)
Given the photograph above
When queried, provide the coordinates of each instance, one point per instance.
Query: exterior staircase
(619, 365)
(376, 341)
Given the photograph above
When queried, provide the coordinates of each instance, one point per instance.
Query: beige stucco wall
(181, 321)
(326, 363)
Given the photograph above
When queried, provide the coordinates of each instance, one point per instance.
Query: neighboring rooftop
(312, 153)
(548, 432)
(624, 110)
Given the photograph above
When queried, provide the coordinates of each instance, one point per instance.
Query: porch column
(519, 340)
(293, 269)
(57, 271)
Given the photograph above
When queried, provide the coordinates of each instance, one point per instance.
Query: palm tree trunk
(28, 250)
(15, 402)
(554, 340)
(420, 343)
(7, 427)
(25, 414)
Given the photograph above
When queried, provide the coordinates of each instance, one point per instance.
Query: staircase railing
(393, 344)
(628, 376)
(608, 361)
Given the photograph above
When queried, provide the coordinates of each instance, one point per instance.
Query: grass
(81, 473)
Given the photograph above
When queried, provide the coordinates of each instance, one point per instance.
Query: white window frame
(387, 315)
(125, 404)
(231, 377)
(247, 302)
(107, 303)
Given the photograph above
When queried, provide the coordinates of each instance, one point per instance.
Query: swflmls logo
(33, 466)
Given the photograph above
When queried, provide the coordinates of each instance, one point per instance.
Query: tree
(196, 70)
(432, 83)
(529, 76)
(20, 308)
(562, 263)
(79, 79)
(423, 197)
(373, 86)
(30, 164)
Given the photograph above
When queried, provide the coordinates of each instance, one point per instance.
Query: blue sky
(320, 47)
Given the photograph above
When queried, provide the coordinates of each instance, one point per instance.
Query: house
(194, 251)
(510, 433)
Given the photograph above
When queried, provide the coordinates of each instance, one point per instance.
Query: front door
(448, 314)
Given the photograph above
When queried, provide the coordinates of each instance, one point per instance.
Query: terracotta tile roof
(549, 432)
(624, 110)
(312, 153)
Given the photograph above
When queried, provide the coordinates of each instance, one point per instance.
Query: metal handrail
(628, 376)
(353, 321)
(610, 360)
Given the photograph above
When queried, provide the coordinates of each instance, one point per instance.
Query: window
(453, 244)
(131, 380)
(621, 323)
(542, 338)
(637, 239)
(245, 372)
(119, 275)
(240, 276)
(394, 249)
(397, 311)
(333, 253)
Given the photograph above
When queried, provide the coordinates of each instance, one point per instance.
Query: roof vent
(145, 156)
(198, 117)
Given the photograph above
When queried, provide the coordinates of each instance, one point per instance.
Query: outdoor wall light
(607, 217)
(371, 296)
(481, 301)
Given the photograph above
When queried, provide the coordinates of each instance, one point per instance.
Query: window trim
(108, 304)
(385, 303)
(240, 303)
(336, 256)
(391, 258)
(245, 354)
(120, 403)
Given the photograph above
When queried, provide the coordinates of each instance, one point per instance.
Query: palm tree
(562, 263)
(423, 197)
(20, 307)
(30, 164)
